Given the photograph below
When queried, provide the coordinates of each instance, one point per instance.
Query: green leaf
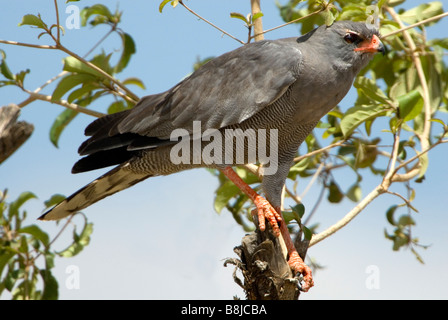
(394, 3)
(5, 256)
(371, 90)
(406, 220)
(422, 12)
(299, 210)
(354, 193)
(79, 242)
(335, 195)
(359, 114)
(228, 190)
(328, 17)
(60, 123)
(85, 90)
(23, 248)
(441, 42)
(257, 15)
(72, 64)
(174, 3)
(51, 286)
(54, 200)
(240, 16)
(37, 233)
(20, 77)
(15, 206)
(424, 162)
(103, 13)
(390, 215)
(116, 106)
(224, 193)
(32, 20)
(410, 105)
(69, 82)
(134, 81)
(4, 67)
(128, 51)
(307, 233)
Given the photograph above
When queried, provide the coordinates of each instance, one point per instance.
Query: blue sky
(162, 239)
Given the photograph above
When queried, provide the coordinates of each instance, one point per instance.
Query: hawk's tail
(111, 182)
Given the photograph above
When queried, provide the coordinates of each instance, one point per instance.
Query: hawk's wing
(227, 90)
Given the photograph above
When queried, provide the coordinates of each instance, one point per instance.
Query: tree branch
(440, 16)
(258, 24)
(312, 153)
(206, 21)
(72, 106)
(58, 39)
(290, 22)
(30, 45)
(348, 217)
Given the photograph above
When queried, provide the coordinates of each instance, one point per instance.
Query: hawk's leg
(266, 211)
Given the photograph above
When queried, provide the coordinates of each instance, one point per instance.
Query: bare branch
(210, 23)
(348, 217)
(290, 22)
(58, 39)
(72, 106)
(445, 14)
(312, 153)
(30, 45)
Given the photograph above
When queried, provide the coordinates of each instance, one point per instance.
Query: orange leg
(266, 211)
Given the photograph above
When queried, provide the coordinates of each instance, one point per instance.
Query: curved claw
(298, 266)
(267, 212)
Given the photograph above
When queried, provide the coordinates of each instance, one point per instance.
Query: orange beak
(375, 45)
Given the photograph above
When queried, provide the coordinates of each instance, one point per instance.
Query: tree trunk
(267, 275)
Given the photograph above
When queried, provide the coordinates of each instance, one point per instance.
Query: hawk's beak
(375, 45)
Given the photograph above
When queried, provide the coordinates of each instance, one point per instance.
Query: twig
(210, 23)
(290, 22)
(293, 196)
(380, 189)
(442, 15)
(406, 201)
(316, 205)
(63, 73)
(72, 106)
(37, 46)
(312, 153)
(349, 216)
(387, 180)
(440, 141)
(58, 39)
(313, 179)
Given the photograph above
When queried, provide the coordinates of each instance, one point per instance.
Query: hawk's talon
(265, 211)
(299, 267)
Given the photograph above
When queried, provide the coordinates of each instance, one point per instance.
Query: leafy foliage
(26, 252)
(390, 96)
(395, 120)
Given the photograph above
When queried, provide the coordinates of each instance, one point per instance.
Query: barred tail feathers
(111, 182)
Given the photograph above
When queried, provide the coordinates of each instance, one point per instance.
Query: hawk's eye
(352, 37)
